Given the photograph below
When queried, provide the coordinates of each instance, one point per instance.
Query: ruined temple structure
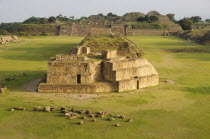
(91, 68)
(8, 39)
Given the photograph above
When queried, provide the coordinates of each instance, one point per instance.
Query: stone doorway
(79, 78)
(138, 84)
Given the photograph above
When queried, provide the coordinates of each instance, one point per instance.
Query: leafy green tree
(43, 21)
(186, 23)
(111, 15)
(196, 19)
(72, 17)
(154, 18)
(51, 19)
(83, 18)
(207, 20)
(141, 19)
(32, 20)
(4, 32)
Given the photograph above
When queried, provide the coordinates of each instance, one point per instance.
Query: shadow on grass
(18, 79)
(40, 53)
(197, 90)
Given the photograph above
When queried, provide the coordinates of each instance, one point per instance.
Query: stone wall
(39, 29)
(82, 88)
(127, 69)
(62, 71)
(138, 83)
(145, 32)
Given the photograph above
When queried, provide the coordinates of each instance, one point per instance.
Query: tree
(51, 19)
(112, 15)
(171, 17)
(101, 14)
(141, 19)
(43, 20)
(72, 17)
(4, 32)
(186, 23)
(207, 20)
(83, 18)
(196, 19)
(154, 18)
(32, 20)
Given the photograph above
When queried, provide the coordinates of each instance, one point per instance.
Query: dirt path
(32, 85)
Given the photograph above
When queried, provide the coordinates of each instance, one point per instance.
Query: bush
(186, 23)
(22, 34)
(153, 18)
(196, 19)
(171, 17)
(4, 32)
(51, 19)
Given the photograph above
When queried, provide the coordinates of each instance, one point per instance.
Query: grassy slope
(167, 111)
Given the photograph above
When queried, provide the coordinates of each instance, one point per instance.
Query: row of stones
(78, 114)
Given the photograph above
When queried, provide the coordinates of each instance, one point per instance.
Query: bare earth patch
(32, 85)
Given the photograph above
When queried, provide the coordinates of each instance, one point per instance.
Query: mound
(104, 39)
(153, 13)
(132, 17)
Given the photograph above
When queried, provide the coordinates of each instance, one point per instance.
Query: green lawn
(167, 111)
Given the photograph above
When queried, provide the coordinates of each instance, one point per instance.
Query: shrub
(153, 18)
(196, 19)
(186, 23)
(51, 19)
(22, 34)
(4, 32)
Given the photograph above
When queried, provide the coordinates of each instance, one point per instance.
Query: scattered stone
(73, 109)
(53, 109)
(37, 109)
(67, 114)
(84, 117)
(122, 117)
(117, 125)
(73, 117)
(92, 115)
(74, 114)
(81, 122)
(129, 120)
(47, 109)
(19, 108)
(12, 109)
(100, 115)
(117, 116)
(3, 90)
(170, 81)
(88, 112)
(81, 112)
(63, 108)
(111, 119)
(94, 120)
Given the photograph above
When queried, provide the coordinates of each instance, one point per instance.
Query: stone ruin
(8, 39)
(88, 69)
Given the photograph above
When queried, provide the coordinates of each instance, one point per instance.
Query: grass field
(177, 111)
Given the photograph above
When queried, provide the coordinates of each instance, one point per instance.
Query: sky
(19, 10)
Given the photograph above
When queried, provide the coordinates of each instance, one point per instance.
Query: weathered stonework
(8, 39)
(84, 71)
